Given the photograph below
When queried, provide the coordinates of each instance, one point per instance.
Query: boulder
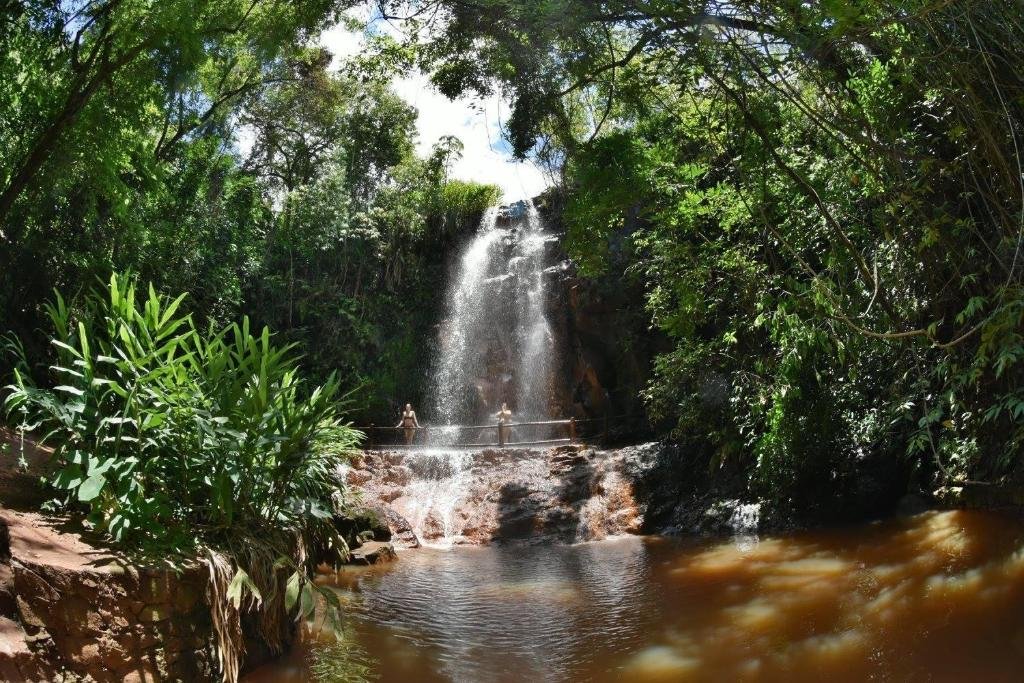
(361, 524)
(401, 531)
(373, 552)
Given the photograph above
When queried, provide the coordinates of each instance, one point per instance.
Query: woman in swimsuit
(504, 417)
(410, 423)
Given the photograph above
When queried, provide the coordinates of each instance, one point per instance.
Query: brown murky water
(937, 597)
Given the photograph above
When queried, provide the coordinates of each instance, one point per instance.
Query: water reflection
(504, 614)
(937, 597)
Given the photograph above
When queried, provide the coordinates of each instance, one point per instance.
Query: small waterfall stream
(438, 482)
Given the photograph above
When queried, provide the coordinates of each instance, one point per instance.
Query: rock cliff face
(605, 335)
(71, 612)
(450, 497)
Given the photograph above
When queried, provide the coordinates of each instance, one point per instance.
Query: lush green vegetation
(213, 149)
(251, 184)
(173, 437)
(824, 201)
(196, 443)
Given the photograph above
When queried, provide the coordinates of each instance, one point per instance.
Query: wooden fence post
(572, 430)
(369, 434)
(501, 436)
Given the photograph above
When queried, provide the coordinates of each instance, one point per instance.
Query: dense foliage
(173, 437)
(197, 443)
(823, 199)
(213, 148)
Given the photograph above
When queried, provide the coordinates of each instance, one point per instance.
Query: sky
(476, 122)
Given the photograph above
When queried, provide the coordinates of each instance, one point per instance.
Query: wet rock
(433, 527)
(358, 477)
(397, 476)
(730, 516)
(362, 524)
(521, 495)
(390, 495)
(401, 531)
(373, 552)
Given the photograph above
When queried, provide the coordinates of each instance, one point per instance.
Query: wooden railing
(373, 432)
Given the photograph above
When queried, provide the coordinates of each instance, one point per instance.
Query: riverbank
(75, 608)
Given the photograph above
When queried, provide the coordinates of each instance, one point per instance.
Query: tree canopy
(824, 201)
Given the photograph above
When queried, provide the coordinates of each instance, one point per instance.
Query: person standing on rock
(504, 418)
(410, 423)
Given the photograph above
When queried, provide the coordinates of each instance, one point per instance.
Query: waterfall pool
(934, 597)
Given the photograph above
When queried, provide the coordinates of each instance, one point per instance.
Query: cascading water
(457, 360)
(495, 345)
(438, 480)
(536, 342)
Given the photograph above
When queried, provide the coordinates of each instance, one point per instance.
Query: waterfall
(744, 521)
(536, 342)
(439, 479)
(495, 343)
(458, 360)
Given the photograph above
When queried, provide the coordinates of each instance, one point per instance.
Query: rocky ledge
(70, 611)
(565, 494)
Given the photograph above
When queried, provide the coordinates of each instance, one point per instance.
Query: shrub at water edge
(199, 443)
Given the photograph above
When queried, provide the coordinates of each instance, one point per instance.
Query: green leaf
(69, 477)
(308, 605)
(91, 487)
(291, 591)
(240, 582)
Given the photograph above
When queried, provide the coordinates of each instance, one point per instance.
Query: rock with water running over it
(402, 533)
(565, 494)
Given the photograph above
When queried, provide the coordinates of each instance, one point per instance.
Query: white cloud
(476, 122)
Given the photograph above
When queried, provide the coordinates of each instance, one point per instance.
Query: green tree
(823, 198)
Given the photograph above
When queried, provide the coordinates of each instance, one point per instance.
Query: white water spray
(496, 343)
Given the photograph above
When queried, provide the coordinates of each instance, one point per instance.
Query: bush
(163, 432)
(172, 439)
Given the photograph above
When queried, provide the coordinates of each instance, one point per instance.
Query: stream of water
(495, 343)
(935, 597)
